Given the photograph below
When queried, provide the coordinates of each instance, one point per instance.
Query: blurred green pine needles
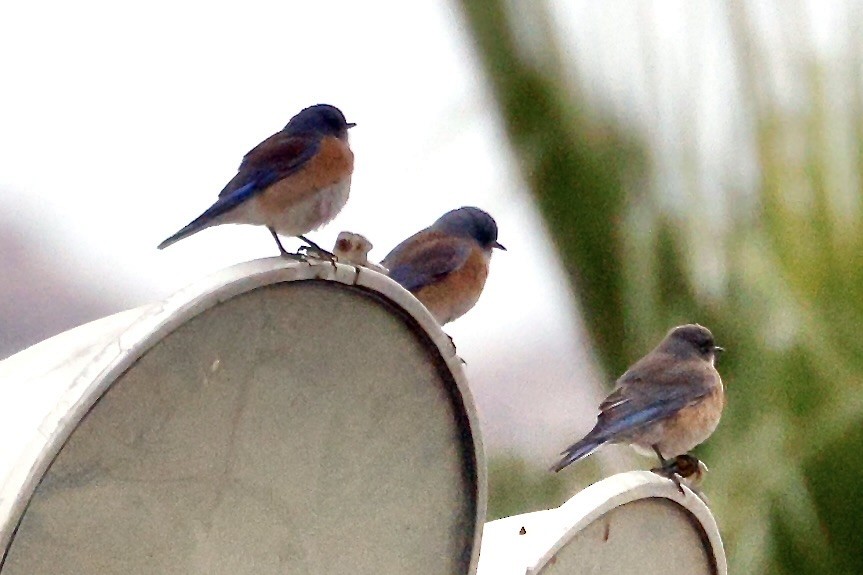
(766, 249)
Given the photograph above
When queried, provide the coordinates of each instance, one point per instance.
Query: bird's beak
(717, 349)
(498, 245)
(350, 125)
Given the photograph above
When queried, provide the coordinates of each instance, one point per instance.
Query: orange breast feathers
(333, 163)
(693, 424)
(457, 292)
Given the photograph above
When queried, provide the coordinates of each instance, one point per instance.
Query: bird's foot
(451, 341)
(669, 474)
(318, 253)
(282, 251)
(684, 466)
(454, 348)
(298, 257)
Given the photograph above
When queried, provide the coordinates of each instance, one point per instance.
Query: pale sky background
(121, 122)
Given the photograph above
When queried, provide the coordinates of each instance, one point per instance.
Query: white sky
(120, 122)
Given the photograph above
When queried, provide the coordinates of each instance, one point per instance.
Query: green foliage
(833, 479)
(516, 487)
(787, 458)
(581, 178)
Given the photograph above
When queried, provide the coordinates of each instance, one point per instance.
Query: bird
(354, 249)
(445, 265)
(293, 182)
(666, 403)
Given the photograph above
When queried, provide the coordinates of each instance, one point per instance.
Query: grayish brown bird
(668, 402)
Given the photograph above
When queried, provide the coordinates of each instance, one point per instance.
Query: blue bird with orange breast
(445, 265)
(668, 402)
(293, 182)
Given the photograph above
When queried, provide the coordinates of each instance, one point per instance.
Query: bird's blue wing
(634, 413)
(625, 413)
(427, 263)
(275, 158)
(650, 391)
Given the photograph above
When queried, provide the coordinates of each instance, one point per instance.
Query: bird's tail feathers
(194, 227)
(577, 451)
(210, 217)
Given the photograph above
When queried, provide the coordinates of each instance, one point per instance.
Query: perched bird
(354, 249)
(293, 182)
(668, 402)
(445, 265)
